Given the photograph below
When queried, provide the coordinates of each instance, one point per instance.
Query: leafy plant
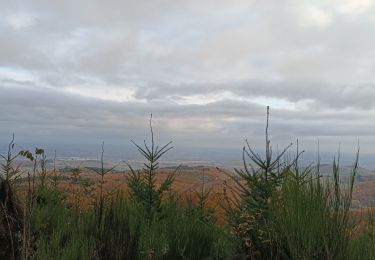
(311, 218)
(9, 172)
(120, 234)
(100, 203)
(362, 245)
(61, 232)
(248, 207)
(142, 183)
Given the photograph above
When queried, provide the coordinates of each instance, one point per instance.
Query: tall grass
(61, 232)
(363, 246)
(310, 219)
(176, 233)
(143, 224)
(281, 211)
(182, 232)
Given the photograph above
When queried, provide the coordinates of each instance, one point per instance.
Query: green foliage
(169, 231)
(192, 234)
(120, 234)
(39, 158)
(179, 232)
(204, 193)
(141, 227)
(176, 233)
(61, 233)
(64, 233)
(142, 183)
(8, 171)
(10, 222)
(42, 173)
(248, 210)
(280, 211)
(310, 218)
(363, 246)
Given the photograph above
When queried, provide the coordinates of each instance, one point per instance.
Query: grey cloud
(41, 109)
(329, 95)
(319, 56)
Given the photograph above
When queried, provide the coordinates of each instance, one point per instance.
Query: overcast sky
(86, 71)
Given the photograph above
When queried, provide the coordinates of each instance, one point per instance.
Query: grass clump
(281, 211)
(170, 230)
(182, 232)
(60, 231)
(363, 245)
(311, 217)
(249, 207)
(144, 224)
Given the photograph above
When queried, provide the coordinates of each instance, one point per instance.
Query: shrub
(363, 246)
(281, 211)
(180, 232)
(8, 171)
(61, 232)
(248, 208)
(120, 233)
(142, 183)
(11, 224)
(310, 217)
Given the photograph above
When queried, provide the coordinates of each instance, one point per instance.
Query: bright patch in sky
(276, 103)
(195, 100)
(109, 93)
(16, 74)
(354, 7)
(20, 21)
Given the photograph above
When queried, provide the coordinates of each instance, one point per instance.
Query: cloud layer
(206, 70)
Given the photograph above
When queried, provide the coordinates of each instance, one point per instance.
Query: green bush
(60, 232)
(185, 233)
(175, 233)
(248, 209)
(363, 246)
(306, 224)
(121, 231)
(142, 183)
(282, 211)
